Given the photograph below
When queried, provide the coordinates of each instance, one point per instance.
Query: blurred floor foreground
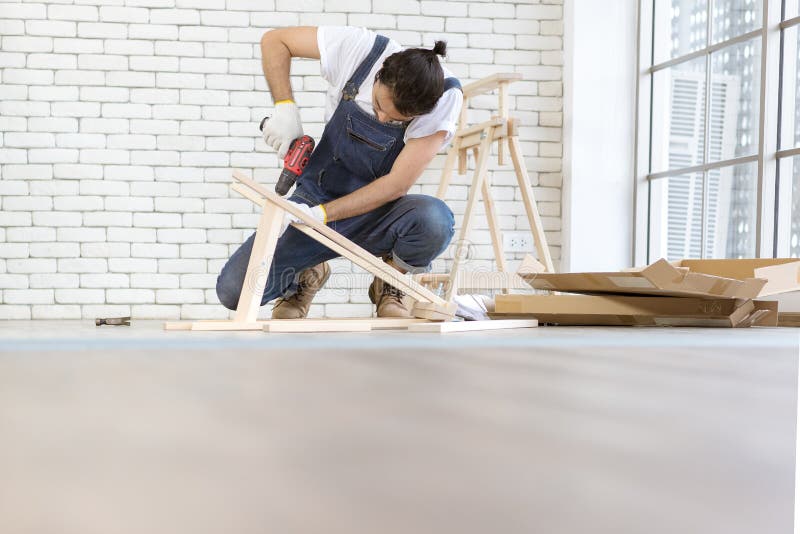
(550, 430)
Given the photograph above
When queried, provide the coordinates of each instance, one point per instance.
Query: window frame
(771, 209)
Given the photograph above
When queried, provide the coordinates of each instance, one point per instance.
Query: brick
(157, 220)
(28, 296)
(10, 155)
(52, 28)
(84, 13)
(154, 63)
(404, 7)
(132, 235)
(205, 220)
(27, 172)
(522, 27)
(105, 250)
(56, 218)
(81, 234)
(539, 42)
(175, 16)
(77, 46)
(155, 126)
(228, 18)
(130, 79)
(25, 109)
(54, 93)
(24, 11)
(76, 109)
(54, 250)
(539, 12)
(132, 265)
(31, 265)
(52, 155)
(13, 281)
(105, 280)
(373, 21)
(29, 140)
(204, 250)
(217, 128)
(178, 205)
(107, 218)
(468, 25)
(123, 14)
(27, 44)
(130, 296)
(15, 312)
(153, 281)
(182, 266)
(90, 311)
(154, 157)
(203, 65)
(102, 62)
(53, 280)
(14, 250)
(12, 27)
(153, 31)
(155, 250)
(52, 312)
(77, 171)
(182, 235)
(105, 94)
(204, 33)
(105, 156)
(102, 30)
(80, 77)
(156, 311)
(104, 125)
(551, 27)
(129, 47)
(13, 124)
(28, 77)
(82, 265)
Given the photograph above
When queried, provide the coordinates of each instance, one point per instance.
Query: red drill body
(294, 162)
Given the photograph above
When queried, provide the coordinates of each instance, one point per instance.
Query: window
(718, 129)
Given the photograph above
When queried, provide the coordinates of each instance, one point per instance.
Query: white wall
(599, 86)
(120, 121)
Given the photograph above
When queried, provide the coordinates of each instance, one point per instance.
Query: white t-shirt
(343, 48)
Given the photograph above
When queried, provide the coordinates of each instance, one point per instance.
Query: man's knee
(434, 218)
(228, 291)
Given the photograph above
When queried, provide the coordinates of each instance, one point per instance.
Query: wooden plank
(529, 202)
(226, 326)
(474, 191)
(490, 83)
(177, 325)
(255, 280)
(494, 227)
(317, 325)
(503, 104)
(397, 278)
(473, 326)
(365, 259)
(479, 128)
(447, 171)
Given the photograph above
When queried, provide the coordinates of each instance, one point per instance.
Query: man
(389, 111)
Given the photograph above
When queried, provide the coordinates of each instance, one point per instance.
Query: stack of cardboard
(686, 293)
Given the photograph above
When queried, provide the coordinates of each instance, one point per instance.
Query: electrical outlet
(517, 242)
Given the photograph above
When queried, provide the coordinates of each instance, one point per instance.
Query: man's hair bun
(440, 48)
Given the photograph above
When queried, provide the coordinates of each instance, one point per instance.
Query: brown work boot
(296, 306)
(389, 301)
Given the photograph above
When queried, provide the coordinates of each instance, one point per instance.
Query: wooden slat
(529, 202)
(479, 128)
(474, 190)
(317, 325)
(473, 326)
(494, 227)
(490, 83)
(355, 252)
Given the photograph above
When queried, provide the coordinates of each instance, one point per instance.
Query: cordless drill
(294, 162)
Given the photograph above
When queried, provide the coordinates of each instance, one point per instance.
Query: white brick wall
(119, 125)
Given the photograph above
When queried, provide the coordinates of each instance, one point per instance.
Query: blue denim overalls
(355, 149)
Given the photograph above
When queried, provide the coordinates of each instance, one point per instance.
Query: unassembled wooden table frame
(430, 308)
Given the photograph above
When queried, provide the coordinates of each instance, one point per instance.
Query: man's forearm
(276, 62)
(367, 198)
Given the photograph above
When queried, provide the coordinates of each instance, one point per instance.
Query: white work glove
(283, 127)
(318, 212)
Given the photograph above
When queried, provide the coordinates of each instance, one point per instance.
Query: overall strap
(351, 87)
(449, 83)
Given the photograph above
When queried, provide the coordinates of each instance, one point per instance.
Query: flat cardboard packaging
(660, 278)
(626, 310)
(781, 274)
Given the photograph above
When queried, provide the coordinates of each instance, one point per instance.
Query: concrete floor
(553, 430)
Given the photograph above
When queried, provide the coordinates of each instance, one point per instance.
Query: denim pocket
(364, 149)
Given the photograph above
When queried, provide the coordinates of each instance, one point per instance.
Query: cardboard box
(625, 310)
(781, 274)
(660, 278)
